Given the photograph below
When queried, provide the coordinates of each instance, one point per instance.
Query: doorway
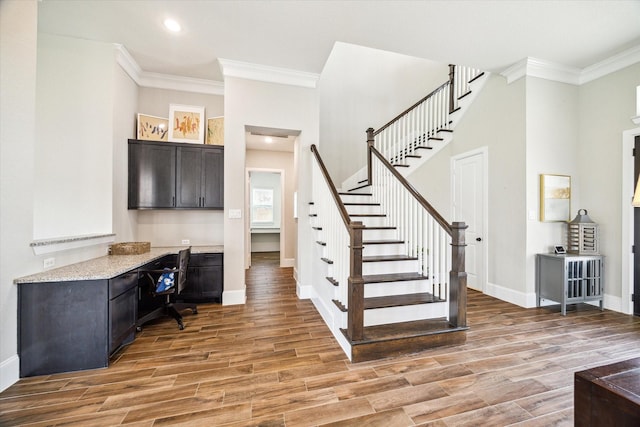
(265, 208)
(469, 198)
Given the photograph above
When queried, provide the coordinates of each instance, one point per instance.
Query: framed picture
(152, 128)
(215, 131)
(555, 198)
(186, 124)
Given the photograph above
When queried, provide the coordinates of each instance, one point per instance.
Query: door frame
(484, 153)
(628, 142)
(247, 209)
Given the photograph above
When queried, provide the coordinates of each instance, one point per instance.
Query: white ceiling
(299, 35)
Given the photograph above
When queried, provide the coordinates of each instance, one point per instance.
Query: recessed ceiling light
(172, 25)
(268, 140)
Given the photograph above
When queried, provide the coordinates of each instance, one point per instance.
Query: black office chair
(168, 308)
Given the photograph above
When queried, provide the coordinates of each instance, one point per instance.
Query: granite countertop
(109, 266)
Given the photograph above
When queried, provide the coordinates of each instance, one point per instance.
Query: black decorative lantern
(583, 235)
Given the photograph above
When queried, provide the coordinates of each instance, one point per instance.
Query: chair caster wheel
(195, 311)
(181, 326)
(138, 328)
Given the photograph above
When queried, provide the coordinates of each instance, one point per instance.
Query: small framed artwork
(559, 250)
(555, 198)
(215, 131)
(186, 124)
(152, 128)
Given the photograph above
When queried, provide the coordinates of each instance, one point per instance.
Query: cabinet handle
(203, 201)
(173, 201)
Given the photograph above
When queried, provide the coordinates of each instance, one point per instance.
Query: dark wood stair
(396, 339)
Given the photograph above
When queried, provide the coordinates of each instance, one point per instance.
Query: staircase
(389, 268)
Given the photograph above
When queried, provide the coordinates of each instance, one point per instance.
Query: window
(262, 206)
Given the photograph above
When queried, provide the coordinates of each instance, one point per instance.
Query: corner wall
(18, 41)
(276, 106)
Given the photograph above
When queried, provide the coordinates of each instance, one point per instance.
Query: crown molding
(611, 65)
(268, 74)
(164, 81)
(533, 67)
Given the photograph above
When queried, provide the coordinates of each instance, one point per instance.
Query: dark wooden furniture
(78, 324)
(165, 175)
(204, 275)
(569, 279)
(608, 395)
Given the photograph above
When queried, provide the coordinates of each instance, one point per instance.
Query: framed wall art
(215, 131)
(555, 198)
(152, 128)
(186, 124)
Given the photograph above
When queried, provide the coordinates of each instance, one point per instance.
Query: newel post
(369, 145)
(458, 277)
(355, 314)
(452, 87)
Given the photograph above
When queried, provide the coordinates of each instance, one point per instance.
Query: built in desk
(608, 395)
(75, 317)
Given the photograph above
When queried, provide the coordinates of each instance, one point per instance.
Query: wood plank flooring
(273, 362)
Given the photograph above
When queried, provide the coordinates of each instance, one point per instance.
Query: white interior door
(469, 205)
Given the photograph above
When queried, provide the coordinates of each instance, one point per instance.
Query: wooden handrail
(399, 116)
(416, 195)
(332, 188)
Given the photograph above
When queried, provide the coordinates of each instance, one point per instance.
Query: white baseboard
(521, 299)
(288, 262)
(234, 297)
(9, 372)
(528, 300)
(304, 291)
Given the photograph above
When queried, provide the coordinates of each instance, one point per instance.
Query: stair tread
(321, 243)
(413, 328)
(384, 258)
(400, 300)
(401, 165)
(476, 77)
(358, 188)
(392, 277)
(382, 242)
(368, 215)
(345, 193)
(361, 204)
(327, 260)
(382, 227)
(423, 147)
(317, 228)
(333, 281)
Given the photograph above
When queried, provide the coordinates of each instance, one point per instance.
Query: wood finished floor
(273, 362)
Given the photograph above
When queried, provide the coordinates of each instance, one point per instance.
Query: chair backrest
(183, 263)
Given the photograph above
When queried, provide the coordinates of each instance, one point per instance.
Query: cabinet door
(189, 175)
(152, 175)
(213, 179)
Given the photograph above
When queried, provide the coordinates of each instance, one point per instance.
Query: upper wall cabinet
(164, 175)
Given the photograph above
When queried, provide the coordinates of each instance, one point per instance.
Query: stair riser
(363, 209)
(379, 234)
(389, 267)
(372, 221)
(407, 313)
(356, 199)
(385, 249)
(396, 288)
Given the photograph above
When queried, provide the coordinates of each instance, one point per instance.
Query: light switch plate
(49, 262)
(235, 213)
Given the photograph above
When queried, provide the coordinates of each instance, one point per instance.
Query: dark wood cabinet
(123, 303)
(204, 278)
(165, 175)
(200, 178)
(152, 175)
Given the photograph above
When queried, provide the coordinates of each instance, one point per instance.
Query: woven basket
(130, 248)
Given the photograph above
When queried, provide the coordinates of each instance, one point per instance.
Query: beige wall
(276, 106)
(260, 159)
(18, 41)
(361, 88)
(495, 120)
(606, 106)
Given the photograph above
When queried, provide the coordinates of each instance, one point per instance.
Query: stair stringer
(414, 164)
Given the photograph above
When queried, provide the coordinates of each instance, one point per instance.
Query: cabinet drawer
(122, 283)
(205, 260)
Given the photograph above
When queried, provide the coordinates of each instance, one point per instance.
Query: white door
(469, 205)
